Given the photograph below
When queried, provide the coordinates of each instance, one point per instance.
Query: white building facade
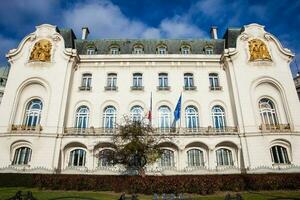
(240, 111)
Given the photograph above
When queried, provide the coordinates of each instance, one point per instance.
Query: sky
(150, 19)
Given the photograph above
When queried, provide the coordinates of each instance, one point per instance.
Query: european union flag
(177, 112)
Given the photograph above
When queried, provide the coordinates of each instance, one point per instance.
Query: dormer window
(90, 51)
(209, 50)
(138, 49)
(114, 50)
(185, 49)
(161, 49)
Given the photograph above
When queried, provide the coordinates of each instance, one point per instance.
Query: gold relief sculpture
(258, 50)
(41, 51)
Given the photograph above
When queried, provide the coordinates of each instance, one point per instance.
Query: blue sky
(149, 19)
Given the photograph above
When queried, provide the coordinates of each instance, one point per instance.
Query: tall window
(112, 80)
(218, 117)
(104, 158)
(22, 156)
(164, 117)
(191, 117)
(109, 117)
(163, 80)
(224, 157)
(77, 158)
(86, 81)
(188, 80)
(137, 80)
(195, 158)
(279, 155)
(167, 158)
(136, 113)
(214, 81)
(268, 112)
(33, 112)
(82, 117)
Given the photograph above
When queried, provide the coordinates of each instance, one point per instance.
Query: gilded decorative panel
(258, 50)
(41, 51)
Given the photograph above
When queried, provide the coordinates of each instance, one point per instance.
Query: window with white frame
(112, 80)
(279, 155)
(162, 49)
(82, 117)
(163, 80)
(22, 156)
(185, 50)
(109, 117)
(86, 81)
(191, 117)
(218, 117)
(105, 158)
(164, 117)
(138, 49)
(268, 112)
(90, 51)
(77, 158)
(114, 50)
(137, 80)
(224, 157)
(167, 158)
(188, 80)
(214, 81)
(195, 157)
(209, 50)
(33, 113)
(136, 113)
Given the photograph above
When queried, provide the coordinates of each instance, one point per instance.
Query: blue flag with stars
(177, 112)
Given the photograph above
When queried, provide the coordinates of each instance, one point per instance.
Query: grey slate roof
(230, 37)
(68, 36)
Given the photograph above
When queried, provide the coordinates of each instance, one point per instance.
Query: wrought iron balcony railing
(85, 88)
(215, 88)
(25, 129)
(163, 87)
(111, 88)
(275, 127)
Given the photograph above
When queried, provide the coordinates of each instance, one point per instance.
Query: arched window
(138, 49)
(279, 155)
(109, 117)
(105, 158)
(33, 112)
(136, 113)
(208, 50)
(22, 156)
(82, 117)
(218, 117)
(268, 112)
(185, 49)
(191, 117)
(161, 49)
(195, 158)
(77, 158)
(114, 49)
(167, 158)
(224, 157)
(164, 117)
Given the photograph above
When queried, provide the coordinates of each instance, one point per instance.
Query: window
(167, 158)
(90, 51)
(224, 157)
(22, 156)
(86, 82)
(162, 49)
(82, 117)
(164, 117)
(218, 117)
(191, 117)
(185, 50)
(268, 112)
(111, 81)
(279, 155)
(189, 81)
(209, 50)
(136, 113)
(138, 49)
(109, 117)
(163, 81)
(77, 158)
(137, 81)
(114, 50)
(33, 113)
(105, 158)
(214, 81)
(195, 158)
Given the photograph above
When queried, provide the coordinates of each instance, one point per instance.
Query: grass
(7, 192)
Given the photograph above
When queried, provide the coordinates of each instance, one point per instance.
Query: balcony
(137, 87)
(215, 88)
(275, 127)
(189, 87)
(163, 88)
(25, 129)
(111, 88)
(85, 88)
(89, 131)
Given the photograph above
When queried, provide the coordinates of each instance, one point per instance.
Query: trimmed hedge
(201, 184)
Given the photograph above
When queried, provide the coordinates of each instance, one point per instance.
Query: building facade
(297, 84)
(239, 111)
(4, 71)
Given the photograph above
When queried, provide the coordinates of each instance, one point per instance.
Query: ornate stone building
(239, 111)
(4, 71)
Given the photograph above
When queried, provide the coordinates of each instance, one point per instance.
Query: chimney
(85, 33)
(214, 32)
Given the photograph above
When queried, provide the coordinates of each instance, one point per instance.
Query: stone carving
(258, 50)
(41, 51)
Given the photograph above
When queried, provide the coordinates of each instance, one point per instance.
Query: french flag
(149, 117)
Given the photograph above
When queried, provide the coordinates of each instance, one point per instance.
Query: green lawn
(5, 193)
